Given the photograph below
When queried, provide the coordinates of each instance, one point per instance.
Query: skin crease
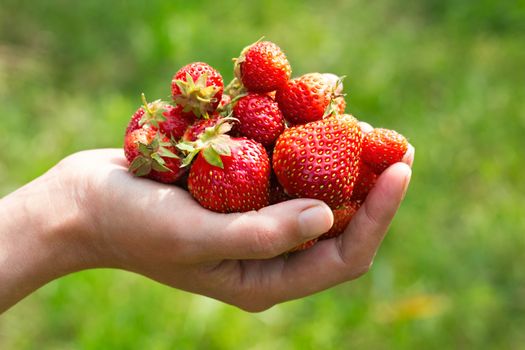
(89, 212)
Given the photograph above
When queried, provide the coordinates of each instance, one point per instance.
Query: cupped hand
(161, 232)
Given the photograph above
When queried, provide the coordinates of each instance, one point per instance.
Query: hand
(88, 212)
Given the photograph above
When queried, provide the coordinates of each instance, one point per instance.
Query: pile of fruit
(262, 139)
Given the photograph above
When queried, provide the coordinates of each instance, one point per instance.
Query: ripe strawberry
(195, 130)
(277, 194)
(382, 148)
(342, 217)
(262, 67)
(364, 183)
(304, 246)
(231, 175)
(151, 154)
(319, 159)
(198, 88)
(259, 118)
(307, 98)
(160, 115)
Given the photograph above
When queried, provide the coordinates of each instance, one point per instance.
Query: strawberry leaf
(164, 152)
(222, 149)
(186, 146)
(140, 166)
(212, 157)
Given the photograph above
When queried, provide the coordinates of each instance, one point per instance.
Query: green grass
(449, 75)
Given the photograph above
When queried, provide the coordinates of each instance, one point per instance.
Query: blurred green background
(450, 75)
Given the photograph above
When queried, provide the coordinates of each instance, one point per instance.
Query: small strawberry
(364, 183)
(198, 88)
(308, 98)
(259, 118)
(319, 159)
(262, 67)
(382, 148)
(304, 246)
(195, 130)
(230, 175)
(277, 194)
(160, 115)
(152, 155)
(342, 217)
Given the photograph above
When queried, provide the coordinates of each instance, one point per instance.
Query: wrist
(41, 237)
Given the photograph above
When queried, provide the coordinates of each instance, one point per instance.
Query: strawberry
(342, 217)
(308, 98)
(262, 67)
(277, 194)
(382, 148)
(160, 115)
(365, 181)
(151, 154)
(198, 88)
(195, 130)
(231, 175)
(304, 246)
(319, 159)
(259, 118)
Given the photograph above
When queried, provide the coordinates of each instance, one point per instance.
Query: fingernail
(409, 156)
(315, 221)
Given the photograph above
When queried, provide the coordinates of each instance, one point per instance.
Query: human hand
(98, 215)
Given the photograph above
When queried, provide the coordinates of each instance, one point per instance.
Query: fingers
(266, 233)
(348, 256)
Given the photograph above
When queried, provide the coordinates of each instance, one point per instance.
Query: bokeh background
(450, 75)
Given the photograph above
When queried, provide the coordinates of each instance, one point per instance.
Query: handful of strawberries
(262, 139)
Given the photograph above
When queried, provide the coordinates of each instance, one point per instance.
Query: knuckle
(266, 241)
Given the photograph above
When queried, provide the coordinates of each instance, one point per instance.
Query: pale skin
(88, 211)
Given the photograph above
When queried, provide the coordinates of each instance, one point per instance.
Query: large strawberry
(319, 159)
(262, 67)
(198, 88)
(231, 175)
(151, 154)
(307, 98)
(259, 118)
(160, 115)
(382, 148)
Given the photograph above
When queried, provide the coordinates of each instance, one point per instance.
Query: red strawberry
(277, 194)
(160, 115)
(262, 67)
(194, 131)
(382, 148)
(364, 183)
(319, 159)
(152, 155)
(259, 118)
(303, 246)
(231, 175)
(307, 98)
(342, 217)
(198, 88)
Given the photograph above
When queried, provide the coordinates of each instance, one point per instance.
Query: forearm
(39, 239)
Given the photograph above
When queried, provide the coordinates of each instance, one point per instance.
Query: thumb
(269, 231)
